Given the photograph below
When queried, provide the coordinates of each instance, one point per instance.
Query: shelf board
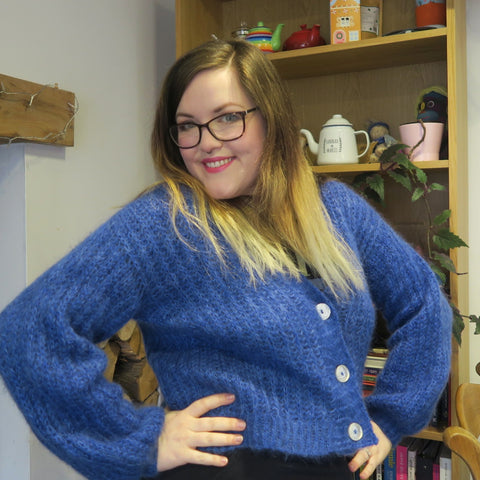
(373, 167)
(430, 433)
(382, 52)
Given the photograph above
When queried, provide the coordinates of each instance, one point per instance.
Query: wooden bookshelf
(377, 79)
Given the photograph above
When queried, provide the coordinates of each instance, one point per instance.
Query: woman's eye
(185, 127)
(230, 117)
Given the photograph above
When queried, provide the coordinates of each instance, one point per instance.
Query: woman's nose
(207, 141)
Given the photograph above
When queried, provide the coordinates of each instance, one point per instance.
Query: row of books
(416, 459)
(374, 364)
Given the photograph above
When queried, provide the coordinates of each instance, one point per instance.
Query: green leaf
(404, 162)
(421, 175)
(437, 186)
(394, 153)
(401, 179)
(444, 261)
(442, 217)
(458, 326)
(446, 240)
(418, 193)
(439, 273)
(360, 179)
(377, 184)
(476, 320)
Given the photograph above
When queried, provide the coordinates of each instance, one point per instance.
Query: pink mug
(429, 149)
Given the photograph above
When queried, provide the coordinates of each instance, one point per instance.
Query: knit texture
(208, 330)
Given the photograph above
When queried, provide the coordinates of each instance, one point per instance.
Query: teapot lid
(260, 28)
(337, 120)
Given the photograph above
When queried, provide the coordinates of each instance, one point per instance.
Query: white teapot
(337, 143)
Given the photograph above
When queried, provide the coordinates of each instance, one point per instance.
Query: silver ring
(369, 453)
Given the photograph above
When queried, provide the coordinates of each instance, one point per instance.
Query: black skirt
(244, 464)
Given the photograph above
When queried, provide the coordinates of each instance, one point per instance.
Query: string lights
(30, 99)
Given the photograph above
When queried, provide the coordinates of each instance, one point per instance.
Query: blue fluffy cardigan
(291, 353)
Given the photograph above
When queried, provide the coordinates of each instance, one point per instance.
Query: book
(436, 464)
(374, 364)
(425, 460)
(389, 470)
(445, 463)
(401, 467)
(413, 449)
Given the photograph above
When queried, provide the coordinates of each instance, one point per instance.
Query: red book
(402, 460)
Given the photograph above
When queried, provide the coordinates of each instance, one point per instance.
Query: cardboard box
(371, 14)
(345, 21)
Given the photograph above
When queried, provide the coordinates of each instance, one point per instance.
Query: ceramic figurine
(264, 38)
(306, 37)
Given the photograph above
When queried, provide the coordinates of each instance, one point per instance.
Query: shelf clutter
(128, 365)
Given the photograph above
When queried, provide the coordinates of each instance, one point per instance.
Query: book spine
(402, 462)
(389, 470)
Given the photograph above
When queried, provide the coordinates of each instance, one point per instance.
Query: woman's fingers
(372, 456)
(209, 439)
(218, 424)
(203, 405)
(185, 430)
(207, 459)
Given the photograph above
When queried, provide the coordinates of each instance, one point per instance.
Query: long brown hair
(285, 213)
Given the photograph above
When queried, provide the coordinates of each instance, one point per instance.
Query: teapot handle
(368, 141)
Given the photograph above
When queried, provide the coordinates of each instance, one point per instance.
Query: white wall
(14, 446)
(112, 54)
(473, 79)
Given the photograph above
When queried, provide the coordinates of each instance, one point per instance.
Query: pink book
(402, 460)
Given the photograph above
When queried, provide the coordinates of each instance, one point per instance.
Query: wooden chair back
(464, 439)
(468, 407)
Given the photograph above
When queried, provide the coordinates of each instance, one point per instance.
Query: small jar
(241, 31)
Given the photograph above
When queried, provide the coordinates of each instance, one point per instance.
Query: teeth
(218, 163)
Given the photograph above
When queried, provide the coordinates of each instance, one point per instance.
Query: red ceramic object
(306, 37)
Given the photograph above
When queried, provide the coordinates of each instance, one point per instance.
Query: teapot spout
(314, 35)
(276, 40)
(312, 144)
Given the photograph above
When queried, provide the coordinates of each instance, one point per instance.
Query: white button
(355, 431)
(342, 373)
(324, 311)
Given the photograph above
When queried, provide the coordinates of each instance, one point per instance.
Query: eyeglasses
(226, 127)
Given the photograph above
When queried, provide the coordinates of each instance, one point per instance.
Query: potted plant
(396, 164)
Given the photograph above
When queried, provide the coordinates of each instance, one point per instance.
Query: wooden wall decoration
(31, 112)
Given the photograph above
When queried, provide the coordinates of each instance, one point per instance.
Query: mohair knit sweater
(291, 353)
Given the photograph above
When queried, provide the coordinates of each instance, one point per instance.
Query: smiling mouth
(218, 163)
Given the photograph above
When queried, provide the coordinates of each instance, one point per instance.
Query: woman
(255, 290)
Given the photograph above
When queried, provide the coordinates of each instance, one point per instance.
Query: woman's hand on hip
(185, 430)
(371, 456)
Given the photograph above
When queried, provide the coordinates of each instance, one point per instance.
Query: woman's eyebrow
(219, 109)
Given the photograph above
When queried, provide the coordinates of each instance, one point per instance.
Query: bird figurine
(432, 106)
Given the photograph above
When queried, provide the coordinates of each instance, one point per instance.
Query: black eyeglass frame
(243, 114)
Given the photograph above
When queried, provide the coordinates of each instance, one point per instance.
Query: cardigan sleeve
(54, 370)
(405, 289)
